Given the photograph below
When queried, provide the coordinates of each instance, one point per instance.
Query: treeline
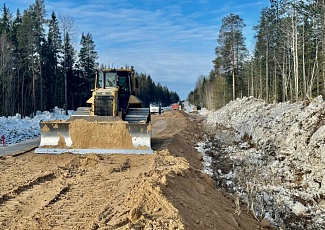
(40, 67)
(149, 91)
(287, 63)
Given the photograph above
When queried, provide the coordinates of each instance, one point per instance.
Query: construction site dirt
(164, 190)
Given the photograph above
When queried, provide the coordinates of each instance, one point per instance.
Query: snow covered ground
(16, 129)
(272, 157)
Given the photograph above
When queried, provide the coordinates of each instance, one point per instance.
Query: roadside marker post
(3, 139)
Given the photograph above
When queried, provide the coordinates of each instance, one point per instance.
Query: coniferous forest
(40, 67)
(287, 63)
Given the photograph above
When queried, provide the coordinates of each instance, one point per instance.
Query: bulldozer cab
(106, 79)
(122, 79)
(124, 89)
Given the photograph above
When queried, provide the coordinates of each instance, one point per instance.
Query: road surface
(19, 147)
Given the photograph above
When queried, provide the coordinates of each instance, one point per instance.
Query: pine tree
(38, 12)
(30, 36)
(6, 76)
(26, 48)
(53, 77)
(87, 64)
(14, 29)
(5, 21)
(19, 89)
(72, 80)
(6, 65)
(231, 50)
(88, 57)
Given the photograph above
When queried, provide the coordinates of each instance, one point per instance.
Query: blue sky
(173, 40)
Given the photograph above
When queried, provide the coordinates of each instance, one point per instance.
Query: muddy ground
(165, 190)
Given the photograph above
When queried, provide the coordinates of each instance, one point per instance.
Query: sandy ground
(165, 190)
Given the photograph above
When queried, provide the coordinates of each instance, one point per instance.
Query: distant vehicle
(176, 106)
(155, 107)
(194, 110)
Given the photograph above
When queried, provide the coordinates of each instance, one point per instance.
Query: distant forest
(287, 63)
(40, 68)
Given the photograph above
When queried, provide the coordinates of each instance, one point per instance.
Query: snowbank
(272, 156)
(16, 128)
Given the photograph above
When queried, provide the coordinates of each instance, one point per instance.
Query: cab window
(100, 79)
(110, 80)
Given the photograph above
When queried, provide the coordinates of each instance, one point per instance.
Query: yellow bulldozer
(115, 121)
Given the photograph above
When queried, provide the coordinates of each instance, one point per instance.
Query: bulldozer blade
(97, 151)
(92, 136)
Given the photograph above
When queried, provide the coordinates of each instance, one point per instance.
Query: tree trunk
(304, 64)
(295, 55)
(233, 71)
(267, 71)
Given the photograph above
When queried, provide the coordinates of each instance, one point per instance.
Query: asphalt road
(19, 147)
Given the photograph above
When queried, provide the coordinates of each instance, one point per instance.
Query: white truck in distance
(155, 107)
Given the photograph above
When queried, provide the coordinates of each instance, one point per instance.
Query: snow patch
(16, 129)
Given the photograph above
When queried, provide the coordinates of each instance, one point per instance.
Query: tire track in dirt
(75, 207)
(98, 185)
(23, 188)
(20, 205)
(114, 213)
(123, 177)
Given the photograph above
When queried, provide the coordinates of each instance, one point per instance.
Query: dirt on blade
(165, 190)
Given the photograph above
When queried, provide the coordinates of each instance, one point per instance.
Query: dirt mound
(103, 135)
(164, 190)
